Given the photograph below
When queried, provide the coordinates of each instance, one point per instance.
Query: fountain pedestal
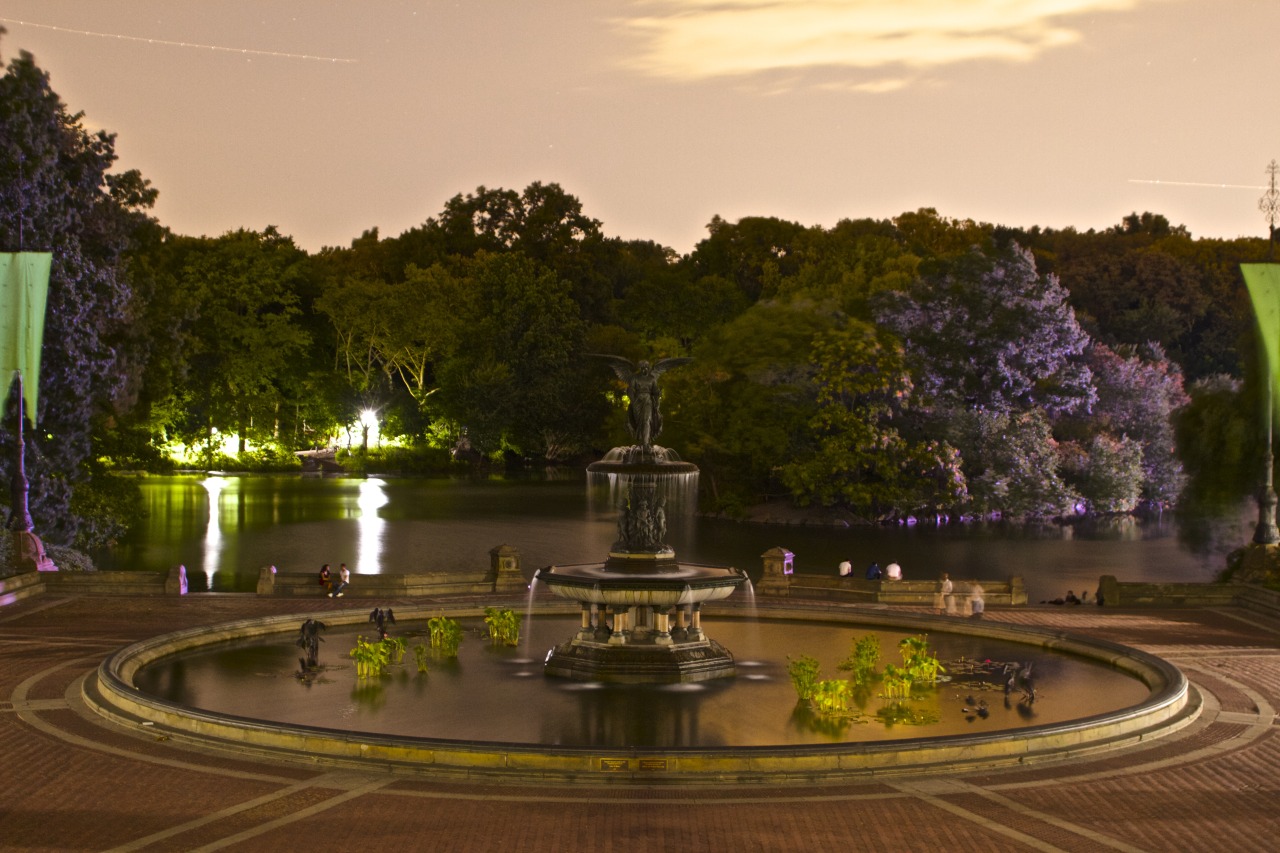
(627, 604)
(628, 600)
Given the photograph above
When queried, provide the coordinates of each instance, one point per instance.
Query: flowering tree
(990, 333)
(1139, 390)
(57, 196)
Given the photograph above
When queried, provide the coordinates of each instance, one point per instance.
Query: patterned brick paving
(74, 783)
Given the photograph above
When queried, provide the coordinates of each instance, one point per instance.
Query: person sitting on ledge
(893, 572)
(344, 580)
(873, 572)
(325, 582)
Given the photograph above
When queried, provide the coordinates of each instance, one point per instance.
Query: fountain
(627, 602)
(641, 694)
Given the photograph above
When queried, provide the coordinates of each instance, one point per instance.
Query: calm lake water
(224, 528)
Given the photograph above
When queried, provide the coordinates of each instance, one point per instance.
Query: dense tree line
(913, 365)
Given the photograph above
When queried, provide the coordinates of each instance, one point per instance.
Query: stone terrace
(74, 783)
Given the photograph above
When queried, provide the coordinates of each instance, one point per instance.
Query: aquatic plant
(371, 658)
(920, 664)
(504, 625)
(420, 655)
(900, 713)
(804, 676)
(446, 635)
(864, 655)
(831, 696)
(395, 647)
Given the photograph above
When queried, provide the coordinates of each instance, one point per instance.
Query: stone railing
(781, 579)
(504, 576)
(994, 593)
(1117, 593)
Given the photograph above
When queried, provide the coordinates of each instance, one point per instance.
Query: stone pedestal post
(778, 564)
(504, 570)
(176, 583)
(267, 580)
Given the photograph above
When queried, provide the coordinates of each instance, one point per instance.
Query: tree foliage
(57, 195)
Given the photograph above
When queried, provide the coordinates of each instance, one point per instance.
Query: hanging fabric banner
(24, 291)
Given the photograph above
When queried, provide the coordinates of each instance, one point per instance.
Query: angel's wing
(665, 364)
(624, 367)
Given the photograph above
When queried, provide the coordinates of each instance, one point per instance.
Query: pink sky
(326, 118)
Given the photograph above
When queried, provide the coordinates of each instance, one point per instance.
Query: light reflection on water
(225, 528)
(491, 694)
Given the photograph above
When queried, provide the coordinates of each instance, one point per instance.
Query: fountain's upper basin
(640, 461)
(630, 581)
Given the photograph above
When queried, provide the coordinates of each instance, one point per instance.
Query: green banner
(24, 290)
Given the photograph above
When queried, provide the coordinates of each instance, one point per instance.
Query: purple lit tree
(997, 355)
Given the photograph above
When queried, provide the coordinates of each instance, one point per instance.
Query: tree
(1107, 472)
(755, 253)
(860, 461)
(990, 334)
(742, 408)
(1139, 392)
(1011, 463)
(245, 336)
(513, 374)
(56, 194)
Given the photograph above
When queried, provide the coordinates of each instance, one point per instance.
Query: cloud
(701, 39)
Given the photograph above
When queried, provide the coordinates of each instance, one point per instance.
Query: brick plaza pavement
(72, 782)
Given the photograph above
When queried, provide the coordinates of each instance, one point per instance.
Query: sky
(326, 118)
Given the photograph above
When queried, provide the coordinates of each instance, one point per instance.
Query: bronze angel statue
(644, 416)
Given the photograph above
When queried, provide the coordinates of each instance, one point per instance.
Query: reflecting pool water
(223, 529)
(498, 694)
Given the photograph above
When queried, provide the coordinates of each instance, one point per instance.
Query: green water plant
(804, 672)
(864, 657)
(446, 635)
(895, 682)
(420, 655)
(395, 649)
(921, 665)
(831, 696)
(504, 625)
(371, 658)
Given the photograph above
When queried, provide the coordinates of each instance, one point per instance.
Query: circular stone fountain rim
(1171, 705)
(686, 575)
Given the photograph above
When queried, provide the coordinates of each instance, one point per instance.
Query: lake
(224, 528)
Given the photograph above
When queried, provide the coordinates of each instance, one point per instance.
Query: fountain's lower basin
(744, 755)
(640, 592)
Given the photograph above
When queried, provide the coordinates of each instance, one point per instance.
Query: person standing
(943, 596)
(344, 580)
(976, 602)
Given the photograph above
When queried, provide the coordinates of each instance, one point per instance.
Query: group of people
(944, 599)
(891, 572)
(1072, 598)
(338, 588)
